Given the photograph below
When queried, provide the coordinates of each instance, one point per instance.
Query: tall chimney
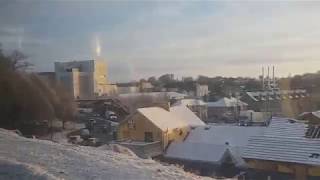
(262, 78)
(273, 79)
(268, 78)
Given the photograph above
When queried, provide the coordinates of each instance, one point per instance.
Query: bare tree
(18, 61)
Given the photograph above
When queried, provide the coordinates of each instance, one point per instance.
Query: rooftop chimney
(262, 78)
(268, 78)
(273, 78)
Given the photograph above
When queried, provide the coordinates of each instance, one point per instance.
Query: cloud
(188, 38)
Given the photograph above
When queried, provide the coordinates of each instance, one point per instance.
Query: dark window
(148, 137)
(314, 155)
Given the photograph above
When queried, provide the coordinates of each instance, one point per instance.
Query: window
(131, 124)
(148, 137)
(314, 155)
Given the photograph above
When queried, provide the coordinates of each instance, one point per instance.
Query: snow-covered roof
(198, 152)
(170, 95)
(190, 102)
(226, 102)
(277, 94)
(221, 134)
(314, 113)
(186, 115)
(285, 127)
(284, 140)
(283, 149)
(211, 143)
(161, 118)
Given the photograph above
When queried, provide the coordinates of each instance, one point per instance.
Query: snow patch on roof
(186, 115)
(199, 152)
(190, 102)
(170, 95)
(220, 134)
(227, 102)
(212, 143)
(163, 119)
(283, 149)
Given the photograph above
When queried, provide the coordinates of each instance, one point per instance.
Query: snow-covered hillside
(22, 158)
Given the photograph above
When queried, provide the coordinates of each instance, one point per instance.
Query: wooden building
(156, 124)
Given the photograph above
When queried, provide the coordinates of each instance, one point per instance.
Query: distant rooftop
(277, 94)
(284, 149)
(186, 115)
(170, 95)
(190, 102)
(212, 144)
(227, 102)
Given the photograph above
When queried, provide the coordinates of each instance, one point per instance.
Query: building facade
(202, 90)
(158, 124)
(153, 124)
(84, 79)
(226, 109)
(288, 103)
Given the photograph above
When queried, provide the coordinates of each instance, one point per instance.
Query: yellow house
(155, 124)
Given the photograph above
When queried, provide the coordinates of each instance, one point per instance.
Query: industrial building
(84, 79)
(288, 103)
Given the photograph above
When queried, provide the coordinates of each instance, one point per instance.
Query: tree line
(29, 103)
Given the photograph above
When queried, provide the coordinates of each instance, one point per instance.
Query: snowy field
(22, 158)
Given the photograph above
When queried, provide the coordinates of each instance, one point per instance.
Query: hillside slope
(22, 158)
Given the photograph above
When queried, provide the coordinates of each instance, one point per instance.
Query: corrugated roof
(283, 149)
(285, 127)
(186, 115)
(163, 119)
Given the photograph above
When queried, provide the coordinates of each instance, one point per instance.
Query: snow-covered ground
(22, 158)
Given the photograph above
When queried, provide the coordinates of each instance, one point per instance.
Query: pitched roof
(227, 102)
(220, 134)
(186, 115)
(284, 140)
(283, 149)
(212, 143)
(190, 102)
(277, 94)
(163, 119)
(306, 115)
(285, 127)
(170, 95)
(199, 152)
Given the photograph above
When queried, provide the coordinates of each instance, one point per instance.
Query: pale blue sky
(145, 38)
